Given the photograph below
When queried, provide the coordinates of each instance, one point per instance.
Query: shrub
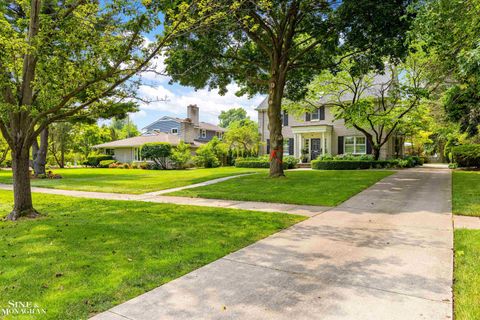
(181, 155)
(467, 155)
(106, 163)
(289, 162)
(157, 152)
(94, 161)
(350, 164)
(206, 158)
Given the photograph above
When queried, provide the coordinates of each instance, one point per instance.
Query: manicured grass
(86, 255)
(466, 193)
(467, 276)
(134, 181)
(325, 188)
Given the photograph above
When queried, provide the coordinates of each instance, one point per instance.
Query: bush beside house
(352, 162)
(289, 162)
(94, 161)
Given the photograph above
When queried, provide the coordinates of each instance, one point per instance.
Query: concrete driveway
(384, 254)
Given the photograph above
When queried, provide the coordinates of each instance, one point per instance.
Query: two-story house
(318, 133)
(166, 129)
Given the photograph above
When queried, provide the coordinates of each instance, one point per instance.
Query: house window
(317, 115)
(137, 154)
(219, 135)
(355, 145)
(174, 130)
(203, 133)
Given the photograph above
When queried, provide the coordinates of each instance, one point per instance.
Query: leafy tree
(211, 154)
(231, 115)
(277, 46)
(62, 59)
(448, 30)
(60, 141)
(85, 136)
(377, 105)
(181, 155)
(158, 152)
(243, 138)
(123, 128)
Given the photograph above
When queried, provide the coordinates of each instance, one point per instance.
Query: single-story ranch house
(166, 129)
(319, 133)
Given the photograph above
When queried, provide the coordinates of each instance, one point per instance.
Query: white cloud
(211, 103)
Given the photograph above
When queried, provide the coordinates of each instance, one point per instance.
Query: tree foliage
(448, 30)
(231, 115)
(243, 138)
(212, 154)
(158, 152)
(378, 105)
(181, 155)
(277, 47)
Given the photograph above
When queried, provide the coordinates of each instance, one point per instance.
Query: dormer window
(203, 133)
(174, 130)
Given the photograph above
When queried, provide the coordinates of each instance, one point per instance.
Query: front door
(315, 148)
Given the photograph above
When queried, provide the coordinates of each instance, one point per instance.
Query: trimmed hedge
(106, 163)
(289, 162)
(94, 161)
(467, 155)
(350, 164)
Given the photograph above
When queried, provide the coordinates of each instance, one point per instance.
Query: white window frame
(317, 113)
(174, 130)
(219, 134)
(203, 133)
(354, 144)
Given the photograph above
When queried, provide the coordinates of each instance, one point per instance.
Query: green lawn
(86, 256)
(466, 193)
(326, 188)
(134, 181)
(467, 276)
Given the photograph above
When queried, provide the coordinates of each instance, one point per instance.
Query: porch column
(299, 145)
(323, 143)
(295, 145)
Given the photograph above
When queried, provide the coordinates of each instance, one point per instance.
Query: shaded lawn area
(134, 181)
(86, 255)
(325, 188)
(466, 275)
(466, 193)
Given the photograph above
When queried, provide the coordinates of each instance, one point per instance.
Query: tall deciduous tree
(243, 138)
(231, 115)
(378, 105)
(449, 31)
(277, 46)
(64, 58)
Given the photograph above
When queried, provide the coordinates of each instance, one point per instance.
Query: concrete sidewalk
(384, 254)
(304, 210)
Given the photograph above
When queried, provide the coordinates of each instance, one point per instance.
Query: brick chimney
(192, 114)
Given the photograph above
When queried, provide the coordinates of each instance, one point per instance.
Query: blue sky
(179, 97)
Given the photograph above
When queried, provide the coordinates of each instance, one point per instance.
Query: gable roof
(211, 127)
(141, 140)
(201, 125)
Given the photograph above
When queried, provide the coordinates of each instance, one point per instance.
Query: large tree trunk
(40, 153)
(376, 152)
(23, 206)
(275, 95)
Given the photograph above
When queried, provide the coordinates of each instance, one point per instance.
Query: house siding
(163, 126)
(338, 130)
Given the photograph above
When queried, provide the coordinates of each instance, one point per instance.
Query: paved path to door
(384, 254)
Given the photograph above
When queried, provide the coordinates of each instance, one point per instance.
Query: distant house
(166, 129)
(318, 133)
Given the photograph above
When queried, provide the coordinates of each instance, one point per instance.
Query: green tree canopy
(158, 152)
(449, 32)
(231, 115)
(277, 47)
(243, 138)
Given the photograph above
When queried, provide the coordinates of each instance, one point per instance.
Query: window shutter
(340, 144)
(369, 146)
(307, 116)
(290, 146)
(285, 118)
(321, 116)
(268, 146)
